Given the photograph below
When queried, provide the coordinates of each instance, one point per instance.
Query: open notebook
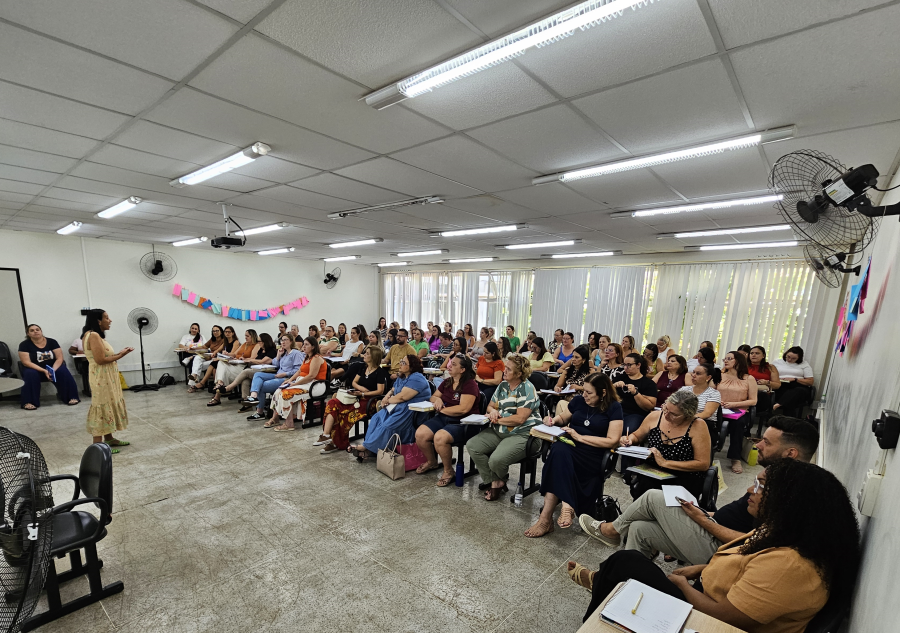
(639, 608)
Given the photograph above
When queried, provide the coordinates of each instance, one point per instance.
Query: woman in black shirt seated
(679, 443)
(637, 393)
(42, 361)
(572, 474)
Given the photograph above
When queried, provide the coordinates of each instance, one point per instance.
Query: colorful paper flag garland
(232, 312)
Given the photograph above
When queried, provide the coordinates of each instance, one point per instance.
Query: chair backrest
(538, 380)
(830, 618)
(95, 476)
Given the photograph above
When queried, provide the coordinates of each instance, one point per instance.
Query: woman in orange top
(314, 368)
(226, 372)
(772, 580)
(489, 370)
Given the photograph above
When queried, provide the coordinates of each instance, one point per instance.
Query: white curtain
(558, 301)
(618, 298)
(519, 301)
(689, 304)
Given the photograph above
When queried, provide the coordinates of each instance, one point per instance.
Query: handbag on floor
(608, 509)
(390, 461)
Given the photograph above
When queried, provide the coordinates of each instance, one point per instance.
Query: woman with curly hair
(804, 552)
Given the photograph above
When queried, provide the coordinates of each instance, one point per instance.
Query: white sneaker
(322, 441)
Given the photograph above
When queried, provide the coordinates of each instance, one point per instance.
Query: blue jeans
(263, 383)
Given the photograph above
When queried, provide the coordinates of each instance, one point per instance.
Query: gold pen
(637, 604)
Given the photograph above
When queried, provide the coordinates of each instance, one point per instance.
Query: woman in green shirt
(514, 341)
(419, 343)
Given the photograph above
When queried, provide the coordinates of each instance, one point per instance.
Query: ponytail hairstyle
(712, 371)
(468, 370)
(640, 361)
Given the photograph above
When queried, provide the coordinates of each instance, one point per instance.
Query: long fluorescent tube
(122, 207)
(337, 215)
(570, 255)
(386, 264)
(226, 164)
(750, 140)
(193, 240)
(276, 251)
(737, 247)
(711, 233)
(341, 259)
(703, 206)
(438, 251)
(488, 229)
(546, 31)
(69, 228)
(471, 260)
(514, 247)
(358, 243)
(262, 229)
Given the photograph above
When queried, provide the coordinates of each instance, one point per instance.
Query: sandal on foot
(534, 534)
(116, 442)
(492, 494)
(445, 481)
(193, 389)
(73, 403)
(213, 403)
(271, 425)
(30, 407)
(736, 467)
(285, 428)
(569, 514)
(576, 575)
(114, 451)
(427, 468)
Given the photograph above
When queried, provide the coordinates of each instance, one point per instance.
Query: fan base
(145, 388)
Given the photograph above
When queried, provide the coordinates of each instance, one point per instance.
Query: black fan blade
(157, 267)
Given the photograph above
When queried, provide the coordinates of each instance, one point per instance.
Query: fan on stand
(143, 321)
(158, 266)
(331, 278)
(26, 534)
(828, 265)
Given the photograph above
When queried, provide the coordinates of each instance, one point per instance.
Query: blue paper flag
(205, 305)
(184, 294)
(245, 315)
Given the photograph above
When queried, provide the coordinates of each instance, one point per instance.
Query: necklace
(587, 422)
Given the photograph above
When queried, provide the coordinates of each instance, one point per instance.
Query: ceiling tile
(164, 141)
(67, 205)
(493, 208)
(481, 98)
(43, 140)
(144, 182)
(499, 17)
(34, 160)
(639, 43)
(117, 192)
(275, 170)
(258, 202)
(306, 198)
(301, 92)
(392, 174)
(626, 189)
(93, 200)
(48, 65)
(240, 10)
(744, 22)
(817, 78)
(135, 160)
(21, 174)
(9, 196)
(340, 187)
(465, 161)
(736, 172)
(9, 207)
(548, 140)
(14, 186)
(380, 42)
(553, 198)
(174, 36)
(680, 107)
(202, 114)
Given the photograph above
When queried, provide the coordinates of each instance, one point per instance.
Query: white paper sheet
(656, 612)
(555, 431)
(670, 492)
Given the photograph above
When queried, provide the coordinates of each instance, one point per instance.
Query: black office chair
(539, 380)
(535, 448)
(481, 407)
(74, 530)
(362, 425)
(607, 468)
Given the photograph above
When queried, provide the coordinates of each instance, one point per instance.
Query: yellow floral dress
(107, 412)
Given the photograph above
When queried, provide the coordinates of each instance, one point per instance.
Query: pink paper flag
(253, 315)
(287, 309)
(191, 297)
(224, 309)
(177, 290)
(304, 302)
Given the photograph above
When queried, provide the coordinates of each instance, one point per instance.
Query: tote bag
(390, 461)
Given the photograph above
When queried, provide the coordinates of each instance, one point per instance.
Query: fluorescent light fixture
(514, 247)
(358, 243)
(341, 259)
(471, 260)
(276, 251)
(709, 149)
(711, 233)
(438, 251)
(226, 164)
(738, 247)
(546, 31)
(703, 206)
(262, 229)
(337, 215)
(69, 228)
(386, 264)
(193, 240)
(488, 229)
(122, 207)
(571, 255)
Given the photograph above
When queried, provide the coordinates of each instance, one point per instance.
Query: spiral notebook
(639, 608)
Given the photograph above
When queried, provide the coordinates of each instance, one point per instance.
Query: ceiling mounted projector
(226, 242)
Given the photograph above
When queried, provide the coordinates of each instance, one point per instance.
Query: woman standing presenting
(107, 412)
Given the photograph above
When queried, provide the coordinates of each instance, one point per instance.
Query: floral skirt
(284, 399)
(345, 417)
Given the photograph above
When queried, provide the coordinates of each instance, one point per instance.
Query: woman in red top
(489, 370)
(313, 369)
(766, 377)
(674, 377)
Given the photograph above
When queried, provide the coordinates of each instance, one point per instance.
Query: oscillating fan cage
(168, 270)
(137, 313)
(815, 256)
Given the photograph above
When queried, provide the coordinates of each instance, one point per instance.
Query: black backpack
(608, 509)
(6, 360)
(165, 380)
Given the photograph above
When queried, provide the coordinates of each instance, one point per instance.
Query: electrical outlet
(868, 494)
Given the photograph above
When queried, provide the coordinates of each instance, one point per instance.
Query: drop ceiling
(101, 100)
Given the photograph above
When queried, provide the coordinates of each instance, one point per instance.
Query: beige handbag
(390, 461)
(346, 398)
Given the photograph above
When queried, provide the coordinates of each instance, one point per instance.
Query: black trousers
(626, 565)
(791, 396)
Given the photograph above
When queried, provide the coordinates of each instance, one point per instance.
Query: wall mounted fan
(827, 265)
(158, 266)
(331, 278)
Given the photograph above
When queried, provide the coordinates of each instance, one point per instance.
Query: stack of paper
(476, 419)
(422, 406)
(261, 367)
(634, 451)
(555, 431)
(561, 393)
(653, 473)
(642, 609)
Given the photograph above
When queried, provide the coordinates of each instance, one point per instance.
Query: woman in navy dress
(572, 474)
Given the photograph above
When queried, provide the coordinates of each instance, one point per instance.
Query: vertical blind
(775, 304)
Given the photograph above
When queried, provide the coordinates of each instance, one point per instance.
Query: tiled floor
(220, 525)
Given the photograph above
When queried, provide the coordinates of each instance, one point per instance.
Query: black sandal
(213, 403)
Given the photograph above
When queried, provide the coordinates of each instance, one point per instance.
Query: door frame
(21, 295)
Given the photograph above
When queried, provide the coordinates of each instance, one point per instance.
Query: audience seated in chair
(399, 350)
(489, 370)
(476, 349)
(738, 389)
(612, 362)
(469, 335)
(199, 365)
(627, 345)
(342, 333)
(556, 342)
(458, 347)
(514, 341)
(654, 361)
(804, 552)
(340, 417)
(705, 378)
(444, 351)
(679, 444)
(576, 371)
(796, 376)
(329, 344)
(662, 347)
(637, 393)
(513, 410)
(292, 389)
(709, 356)
(288, 361)
(504, 347)
(189, 341)
(419, 343)
(526, 344)
(351, 351)
(766, 376)
(226, 372)
(41, 358)
(395, 415)
(229, 348)
(597, 343)
(674, 377)
(382, 328)
(563, 353)
(572, 474)
(538, 356)
(266, 352)
(454, 399)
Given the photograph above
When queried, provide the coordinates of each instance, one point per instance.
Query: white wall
(59, 279)
(863, 382)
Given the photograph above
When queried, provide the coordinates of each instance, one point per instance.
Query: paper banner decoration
(231, 312)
